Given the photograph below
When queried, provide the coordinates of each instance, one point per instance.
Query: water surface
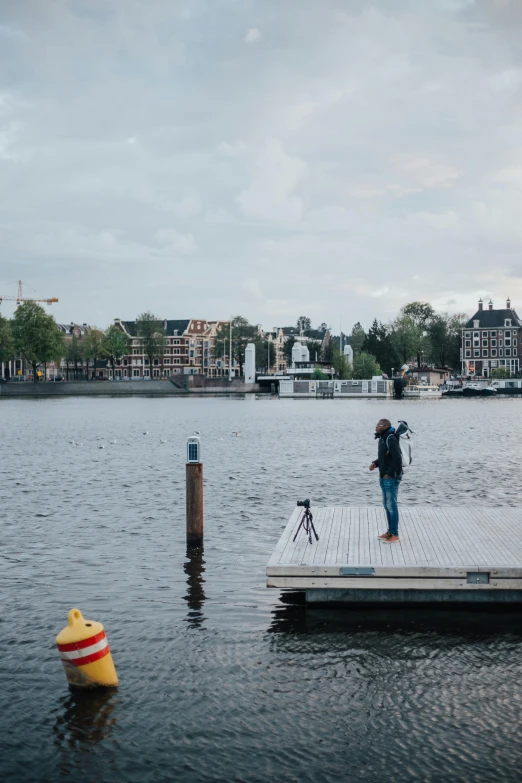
(221, 679)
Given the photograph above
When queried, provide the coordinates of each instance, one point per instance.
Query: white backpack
(403, 436)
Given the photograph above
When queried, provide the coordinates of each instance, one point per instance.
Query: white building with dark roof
(490, 340)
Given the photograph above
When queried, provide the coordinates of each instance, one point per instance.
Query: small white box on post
(194, 489)
(193, 450)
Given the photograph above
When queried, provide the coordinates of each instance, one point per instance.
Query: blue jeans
(390, 489)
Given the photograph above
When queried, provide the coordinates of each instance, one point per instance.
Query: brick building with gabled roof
(490, 340)
(189, 351)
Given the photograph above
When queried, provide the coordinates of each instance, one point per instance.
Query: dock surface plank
(443, 543)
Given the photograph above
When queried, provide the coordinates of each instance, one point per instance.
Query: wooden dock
(445, 554)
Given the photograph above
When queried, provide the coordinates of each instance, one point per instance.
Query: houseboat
(510, 386)
(421, 391)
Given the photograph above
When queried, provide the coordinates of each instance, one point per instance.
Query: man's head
(382, 425)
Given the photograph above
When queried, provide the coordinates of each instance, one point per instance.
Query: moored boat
(476, 390)
(421, 391)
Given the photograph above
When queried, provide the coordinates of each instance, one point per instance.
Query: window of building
(468, 334)
(468, 343)
(125, 362)
(146, 362)
(476, 324)
(176, 350)
(156, 373)
(167, 361)
(493, 343)
(493, 351)
(500, 352)
(507, 322)
(508, 351)
(468, 354)
(135, 351)
(501, 343)
(515, 341)
(484, 343)
(146, 373)
(484, 354)
(176, 342)
(494, 363)
(155, 362)
(135, 373)
(476, 354)
(176, 361)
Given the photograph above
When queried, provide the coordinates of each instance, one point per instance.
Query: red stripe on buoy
(89, 658)
(80, 645)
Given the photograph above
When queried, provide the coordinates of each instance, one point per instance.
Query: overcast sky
(265, 157)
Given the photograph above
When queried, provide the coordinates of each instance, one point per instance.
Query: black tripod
(306, 522)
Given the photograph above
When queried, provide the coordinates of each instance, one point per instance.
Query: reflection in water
(295, 617)
(87, 717)
(194, 568)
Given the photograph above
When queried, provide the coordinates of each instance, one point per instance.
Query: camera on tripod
(307, 521)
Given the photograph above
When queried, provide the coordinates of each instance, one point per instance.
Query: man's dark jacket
(389, 457)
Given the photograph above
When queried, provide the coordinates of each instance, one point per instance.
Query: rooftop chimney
(480, 304)
(490, 305)
(508, 303)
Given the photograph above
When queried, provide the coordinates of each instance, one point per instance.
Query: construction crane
(21, 298)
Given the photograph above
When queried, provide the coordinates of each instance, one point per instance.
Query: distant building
(491, 340)
(430, 375)
(189, 351)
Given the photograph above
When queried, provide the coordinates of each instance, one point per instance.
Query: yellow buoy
(85, 653)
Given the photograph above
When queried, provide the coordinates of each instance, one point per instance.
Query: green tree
(357, 339)
(93, 348)
(287, 349)
(263, 347)
(74, 355)
(404, 336)
(501, 372)
(7, 349)
(303, 323)
(242, 333)
(365, 366)
(445, 339)
(343, 368)
(36, 336)
(379, 343)
(115, 345)
(314, 349)
(420, 314)
(319, 375)
(151, 332)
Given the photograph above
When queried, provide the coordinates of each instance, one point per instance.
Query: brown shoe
(384, 536)
(391, 539)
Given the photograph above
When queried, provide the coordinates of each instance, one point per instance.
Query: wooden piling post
(194, 491)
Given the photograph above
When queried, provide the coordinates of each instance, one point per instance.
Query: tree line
(33, 335)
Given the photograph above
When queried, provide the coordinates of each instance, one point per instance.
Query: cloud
(275, 176)
(324, 161)
(252, 35)
(176, 242)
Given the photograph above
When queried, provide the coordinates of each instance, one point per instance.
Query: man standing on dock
(389, 462)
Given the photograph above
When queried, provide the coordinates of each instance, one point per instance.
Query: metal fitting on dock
(85, 653)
